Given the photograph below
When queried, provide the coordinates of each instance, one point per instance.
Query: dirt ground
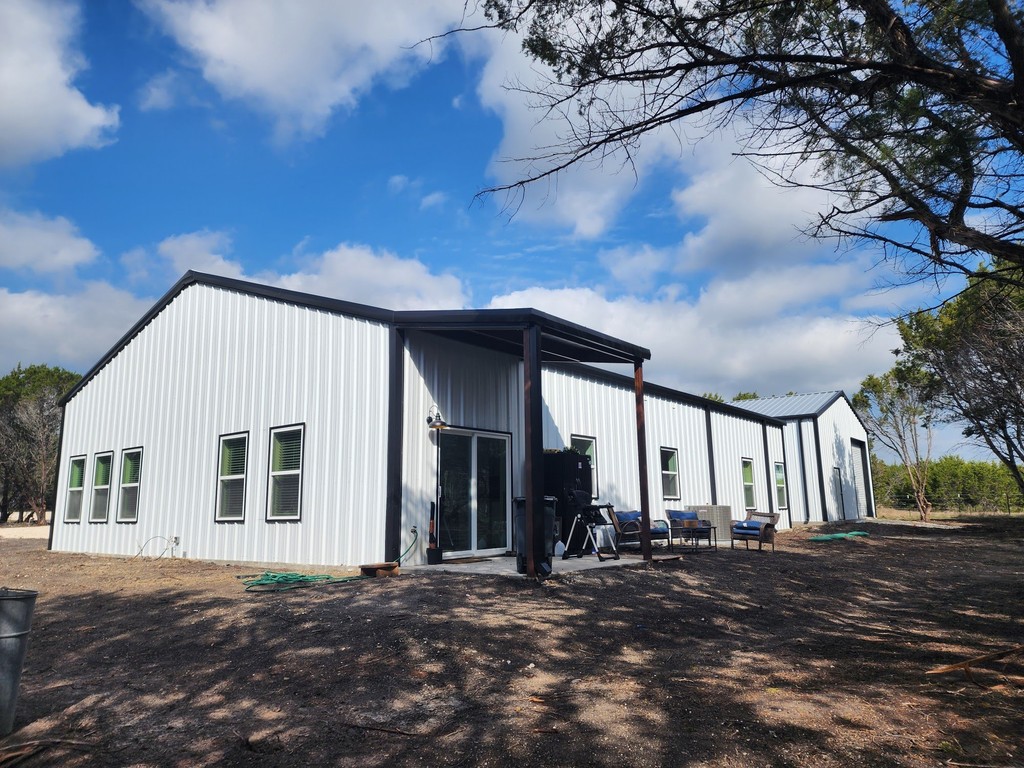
(815, 655)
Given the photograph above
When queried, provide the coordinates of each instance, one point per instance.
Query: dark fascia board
(670, 394)
(602, 348)
(592, 345)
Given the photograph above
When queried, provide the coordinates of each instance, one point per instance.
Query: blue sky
(314, 145)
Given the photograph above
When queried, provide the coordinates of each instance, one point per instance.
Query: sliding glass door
(474, 492)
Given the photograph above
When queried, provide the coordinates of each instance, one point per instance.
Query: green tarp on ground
(835, 536)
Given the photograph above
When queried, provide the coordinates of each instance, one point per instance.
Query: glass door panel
(491, 493)
(455, 463)
(474, 492)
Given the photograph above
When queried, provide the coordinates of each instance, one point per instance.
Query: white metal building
(829, 446)
(241, 422)
(699, 451)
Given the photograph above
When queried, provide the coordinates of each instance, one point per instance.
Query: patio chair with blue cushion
(759, 527)
(627, 528)
(685, 525)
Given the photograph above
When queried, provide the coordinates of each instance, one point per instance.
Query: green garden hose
(273, 581)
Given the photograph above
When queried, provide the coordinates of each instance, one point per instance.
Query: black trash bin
(16, 606)
(543, 533)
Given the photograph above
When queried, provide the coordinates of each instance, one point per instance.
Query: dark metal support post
(396, 412)
(533, 442)
(641, 452)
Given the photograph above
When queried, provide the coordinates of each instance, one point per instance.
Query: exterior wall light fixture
(434, 418)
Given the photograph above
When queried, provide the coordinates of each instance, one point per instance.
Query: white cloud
(302, 62)
(635, 268)
(43, 114)
(736, 336)
(71, 330)
(747, 220)
(398, 183)
(41, 244)
(586, 197)
(160, 92)
(378, 278)
(433, 200)
(202, 251)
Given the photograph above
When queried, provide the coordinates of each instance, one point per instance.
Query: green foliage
(907, 114)
(747, 396)
(954, 484)
(971, 352)
(897, 413)
(713, 396)
(30, 420)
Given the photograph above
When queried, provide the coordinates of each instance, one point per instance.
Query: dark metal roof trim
(673, 394)
(560, 337)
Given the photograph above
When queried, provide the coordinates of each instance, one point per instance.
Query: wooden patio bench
(759, 527)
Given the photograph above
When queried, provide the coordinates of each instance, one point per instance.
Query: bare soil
(815, 655)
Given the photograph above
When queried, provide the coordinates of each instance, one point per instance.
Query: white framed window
(284, 497)
(781, 496)
(587, 446)
(749, 500)
(76, 489)
(101, 487)
(670, 473)
(233, 459)
(131, 476)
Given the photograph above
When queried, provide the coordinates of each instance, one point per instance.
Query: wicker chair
(759, 527)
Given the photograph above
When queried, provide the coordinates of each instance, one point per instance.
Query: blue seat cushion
(679, 515)
(748, 526)
(628, 517)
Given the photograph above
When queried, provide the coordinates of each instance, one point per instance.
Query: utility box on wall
(719, 515)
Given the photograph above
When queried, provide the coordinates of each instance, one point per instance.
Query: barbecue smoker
(568, 477)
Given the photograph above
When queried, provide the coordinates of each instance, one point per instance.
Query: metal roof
(792, 406)
(499, 329)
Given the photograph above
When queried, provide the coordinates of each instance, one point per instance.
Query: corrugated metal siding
(734, 440)
(577, 405)
(473, 388)
(684, 427)
(217, 362)
(836, 427)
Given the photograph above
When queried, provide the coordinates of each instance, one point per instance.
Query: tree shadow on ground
(811, 656)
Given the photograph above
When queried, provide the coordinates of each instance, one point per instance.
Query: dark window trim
(81, 509)
(245, 480)
(593, 464)
(120, 486)
(302, 472)
(95, 460)
(785, 483)
(753, 483)
(679, 484)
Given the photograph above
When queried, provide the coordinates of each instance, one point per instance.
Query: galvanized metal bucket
(16, 606)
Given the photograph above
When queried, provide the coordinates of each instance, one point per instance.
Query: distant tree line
(953, 484)
(30, 421)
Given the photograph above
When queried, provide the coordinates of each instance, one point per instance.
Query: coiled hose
(274, 581)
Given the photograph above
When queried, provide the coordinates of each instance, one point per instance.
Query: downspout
(641, 452)
(396, 415)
